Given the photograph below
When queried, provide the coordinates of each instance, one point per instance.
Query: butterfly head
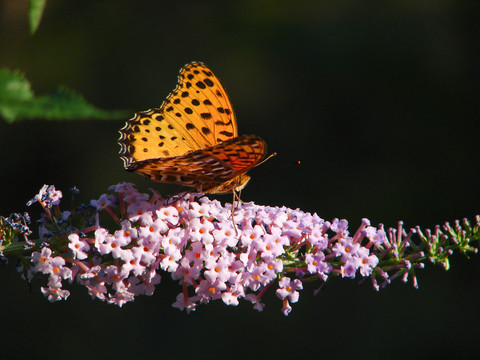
(236, 184)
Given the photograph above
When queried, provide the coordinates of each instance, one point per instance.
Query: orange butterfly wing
(209, 168)
(192, 138)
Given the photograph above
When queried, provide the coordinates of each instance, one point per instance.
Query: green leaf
(13, 85)
(35, 13)
(17, 101)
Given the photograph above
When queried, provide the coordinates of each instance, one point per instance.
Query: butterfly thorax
(236, 184)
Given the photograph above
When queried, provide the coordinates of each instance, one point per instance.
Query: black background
(377, 100)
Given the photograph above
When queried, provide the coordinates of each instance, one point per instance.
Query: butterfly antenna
(287, 165)
(267, 158)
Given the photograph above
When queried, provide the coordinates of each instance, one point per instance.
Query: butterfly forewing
(196, 115)
(203, 102)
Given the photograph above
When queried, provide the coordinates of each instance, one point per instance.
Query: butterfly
(192, 139)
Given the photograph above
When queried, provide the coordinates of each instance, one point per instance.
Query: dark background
(379, 102)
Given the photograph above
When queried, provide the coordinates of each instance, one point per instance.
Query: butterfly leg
(233, 211)
(237, 195)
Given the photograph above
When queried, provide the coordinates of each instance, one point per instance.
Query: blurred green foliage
(35, 13)
(17, 101)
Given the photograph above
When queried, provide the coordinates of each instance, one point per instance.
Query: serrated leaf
(35, 12)
(17, 101)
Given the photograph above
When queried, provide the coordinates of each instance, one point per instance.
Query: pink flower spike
(195, 241)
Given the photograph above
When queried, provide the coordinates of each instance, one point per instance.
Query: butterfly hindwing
(206, 168)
